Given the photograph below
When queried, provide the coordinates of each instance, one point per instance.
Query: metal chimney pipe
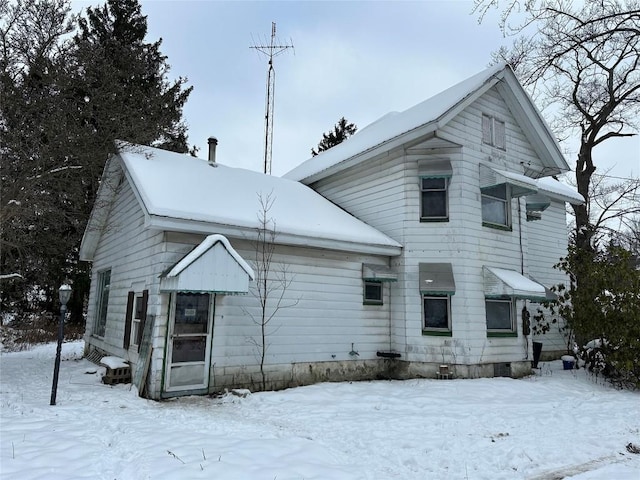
(213, 143)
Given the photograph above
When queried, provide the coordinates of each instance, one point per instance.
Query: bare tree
(583, 63)
(271, 282)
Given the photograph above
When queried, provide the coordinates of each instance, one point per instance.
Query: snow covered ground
(556, 424)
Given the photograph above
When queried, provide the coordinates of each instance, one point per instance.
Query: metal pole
(56, 369)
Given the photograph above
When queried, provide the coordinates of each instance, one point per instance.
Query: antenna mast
(270, 51)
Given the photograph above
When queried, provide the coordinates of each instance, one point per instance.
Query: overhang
(212, 267)
(378, 273)
(520, 184)
(437, 278)
(500, 282)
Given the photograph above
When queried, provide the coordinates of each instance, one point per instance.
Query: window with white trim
(138, 311)
(500, 316)
(496, 205)
(434, 203)
(102, 295)
(436, 314)
(493, 132)
(372, 293)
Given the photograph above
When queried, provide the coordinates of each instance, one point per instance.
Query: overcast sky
(359, 60)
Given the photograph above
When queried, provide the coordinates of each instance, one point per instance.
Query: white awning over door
(212, 267)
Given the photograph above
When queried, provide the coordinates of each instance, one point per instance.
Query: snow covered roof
(179, 192)
(558, 190)
(432, 114)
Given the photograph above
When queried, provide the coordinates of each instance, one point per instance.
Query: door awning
(212, 267)
(520, 184)
(499, 282)
(437, 278)
(378, 273)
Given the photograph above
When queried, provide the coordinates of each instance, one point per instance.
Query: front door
(189, 345)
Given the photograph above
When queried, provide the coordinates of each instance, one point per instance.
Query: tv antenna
(271, 50)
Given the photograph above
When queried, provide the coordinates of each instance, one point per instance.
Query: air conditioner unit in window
(533, 216)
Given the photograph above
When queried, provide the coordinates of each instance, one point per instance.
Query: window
(436, 314)
(102, 295)
(372, 293)
(433, 199)
(493, 132)
(500, 317)
(138, 312)
(496, 205)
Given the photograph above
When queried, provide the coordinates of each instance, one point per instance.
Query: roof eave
(283, 238)
(111, 177)
(419, 133)
(533, 124)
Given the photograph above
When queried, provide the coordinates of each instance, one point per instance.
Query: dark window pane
(434, 204)
(436, 312)
(434, 183)
(192, 313)
(373, 291)
(498, 315)
(188, 349)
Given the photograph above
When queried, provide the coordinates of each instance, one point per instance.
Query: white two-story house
(419, 243)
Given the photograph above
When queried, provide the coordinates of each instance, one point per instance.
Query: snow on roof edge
(437, 106)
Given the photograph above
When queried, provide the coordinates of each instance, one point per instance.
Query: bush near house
(602, 313)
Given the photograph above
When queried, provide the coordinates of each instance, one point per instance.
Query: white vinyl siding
(132, 254)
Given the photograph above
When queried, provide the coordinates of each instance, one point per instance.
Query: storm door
(188, 352)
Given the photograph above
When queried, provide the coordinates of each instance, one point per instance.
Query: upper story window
(497, 188)
(496, 205)
(102, 296)
(434, 204)
(493, 132)
(434, 177)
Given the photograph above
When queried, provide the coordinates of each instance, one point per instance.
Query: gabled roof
(423, 119)
(213, 266)
(178, 192)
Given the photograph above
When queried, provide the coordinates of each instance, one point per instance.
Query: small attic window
(493, 132)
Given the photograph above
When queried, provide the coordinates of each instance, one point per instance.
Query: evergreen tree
(341, 131)
(64, 101)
